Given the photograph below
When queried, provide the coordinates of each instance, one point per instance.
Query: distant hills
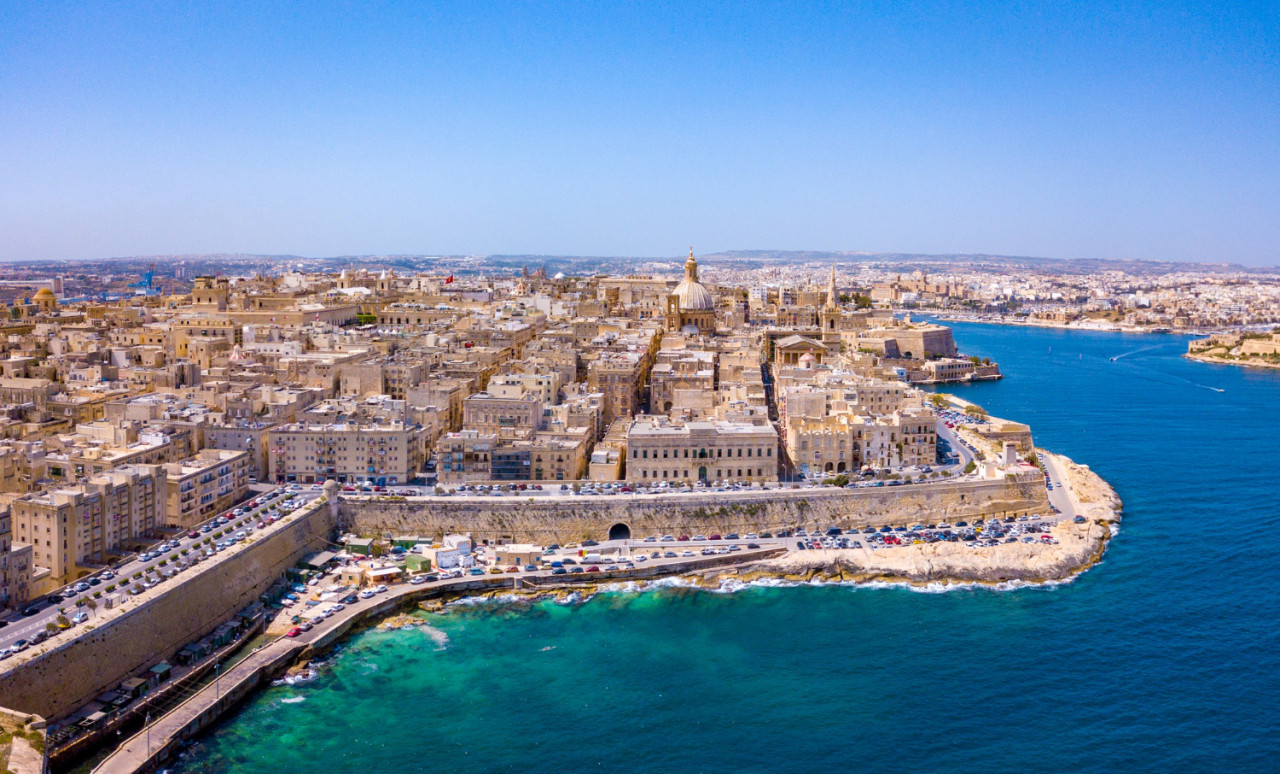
(239, 263)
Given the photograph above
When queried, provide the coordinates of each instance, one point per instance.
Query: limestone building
(690, 307)
(660, 450)
(348, 452)
(71, 527)
(200, 487)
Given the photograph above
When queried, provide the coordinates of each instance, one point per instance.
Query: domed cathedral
(46, 301)
(690, 307)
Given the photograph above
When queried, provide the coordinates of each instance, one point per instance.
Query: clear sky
(1063, 129)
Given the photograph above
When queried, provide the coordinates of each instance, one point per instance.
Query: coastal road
(19, 627)
(1059, 497)
(957, 445)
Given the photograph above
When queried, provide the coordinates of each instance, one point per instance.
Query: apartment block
(392, 453)
(85, 524)
(200, 487)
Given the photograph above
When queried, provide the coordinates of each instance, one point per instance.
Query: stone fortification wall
(566, 519)
(155, 625)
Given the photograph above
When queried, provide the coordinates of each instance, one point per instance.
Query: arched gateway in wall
(620, 532)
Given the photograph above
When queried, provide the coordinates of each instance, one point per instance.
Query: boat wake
(1136, 352)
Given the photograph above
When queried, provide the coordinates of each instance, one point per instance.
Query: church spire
(831, 290)
(691, 267)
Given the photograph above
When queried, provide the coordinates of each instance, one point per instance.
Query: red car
(193, 534)
(294, 632)
(713, 537)
(683, 537)
(593, 568)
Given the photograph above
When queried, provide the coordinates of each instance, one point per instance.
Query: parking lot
(77, 604)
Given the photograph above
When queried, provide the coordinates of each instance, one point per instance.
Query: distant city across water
(1162, 658)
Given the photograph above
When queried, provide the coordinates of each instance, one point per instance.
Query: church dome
(693, 295)
(44, 294)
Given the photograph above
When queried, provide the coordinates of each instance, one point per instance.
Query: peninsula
(1256, 350)
(213, 463)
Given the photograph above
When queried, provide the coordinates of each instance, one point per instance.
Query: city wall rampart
(567, 519)
(155, 625)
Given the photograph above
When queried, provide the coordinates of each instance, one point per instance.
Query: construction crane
(145, 283)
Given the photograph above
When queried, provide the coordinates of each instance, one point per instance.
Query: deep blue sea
(1163, 658)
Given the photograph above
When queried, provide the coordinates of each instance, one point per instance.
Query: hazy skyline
(1074, 131)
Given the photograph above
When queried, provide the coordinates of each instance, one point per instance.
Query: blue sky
(1136, 130)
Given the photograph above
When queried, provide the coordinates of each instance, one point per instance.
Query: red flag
(448, 279)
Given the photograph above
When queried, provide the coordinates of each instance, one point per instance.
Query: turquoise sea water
(1163, 658)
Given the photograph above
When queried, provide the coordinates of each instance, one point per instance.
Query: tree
(975, 411)
(938, 400)
(972, 466)
(862, 302)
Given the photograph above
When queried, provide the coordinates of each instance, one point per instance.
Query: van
(591, 559)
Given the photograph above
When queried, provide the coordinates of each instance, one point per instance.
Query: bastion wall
(567, 519)
(155, 625)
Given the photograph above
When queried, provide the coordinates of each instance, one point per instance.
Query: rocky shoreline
(1226, 361)
(1096, 327)
(935, 565)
